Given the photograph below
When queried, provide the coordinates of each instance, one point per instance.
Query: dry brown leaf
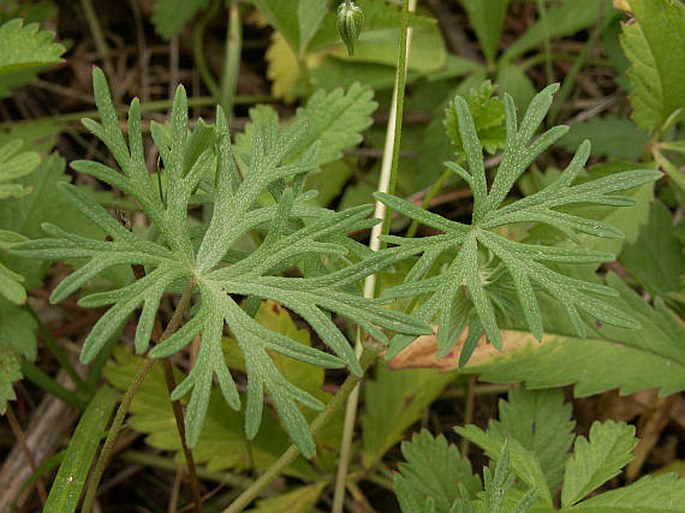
(422, 353)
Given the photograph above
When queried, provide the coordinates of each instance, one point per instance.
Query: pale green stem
(98, 38)
(234, 43)
(387, 183)
(199, 48)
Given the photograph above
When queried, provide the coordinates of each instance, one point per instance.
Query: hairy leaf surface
(210, 270)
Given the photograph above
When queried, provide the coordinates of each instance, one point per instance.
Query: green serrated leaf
(597, 459)
(433, 472)
(655, 46)
(664, 494)
(524, 464)
(541, 422)
(651, 356)
(488, 117)
(25, 51)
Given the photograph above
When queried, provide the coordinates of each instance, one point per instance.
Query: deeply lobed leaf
(484, 261)
(201, 164)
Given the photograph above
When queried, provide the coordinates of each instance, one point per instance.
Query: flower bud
(350, 24)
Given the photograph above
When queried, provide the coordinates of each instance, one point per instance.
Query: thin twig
(98, 38)
(19, 435)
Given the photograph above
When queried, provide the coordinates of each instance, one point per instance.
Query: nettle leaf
(25, 51)
(464, 291)
(541, 422)
(434, 474)
(14, 164)
(177, 258)
(655, 46)
(433, 479)
(488, 115)
(597, 459)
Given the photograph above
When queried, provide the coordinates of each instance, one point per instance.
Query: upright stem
(199, 50)
(234, 44)
(98, 38)
(387, 183)
(127, 399)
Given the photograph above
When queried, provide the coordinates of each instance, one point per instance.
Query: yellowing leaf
(284, 68)
(301, 500)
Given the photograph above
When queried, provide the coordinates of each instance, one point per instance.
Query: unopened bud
(350, 24)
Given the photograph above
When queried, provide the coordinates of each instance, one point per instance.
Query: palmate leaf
(462, 291)
(175, 260)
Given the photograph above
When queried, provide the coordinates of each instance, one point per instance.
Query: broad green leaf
(651, 356)
(524, 463)
(487, 19)
(433, 471)
(25, 51)
(284, 17)
(597, 459)
(562, 19)
(655, 45)
(171, 16)
(301, 500)
(310, 14)
(664, 494)
(610, 136)
(394, 401)
(541, 422)
(17, 341)
(656, 259)
(73, 472)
